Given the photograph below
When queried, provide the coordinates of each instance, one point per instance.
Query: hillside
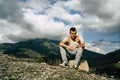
(110, 63)
(12, 68)
(45, 50)
(112, 57)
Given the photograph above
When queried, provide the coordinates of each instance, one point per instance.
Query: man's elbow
(83, 45)
(60, 44)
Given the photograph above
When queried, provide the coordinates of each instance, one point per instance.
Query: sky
(97, 21)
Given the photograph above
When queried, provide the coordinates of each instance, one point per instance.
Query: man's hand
(71, 47)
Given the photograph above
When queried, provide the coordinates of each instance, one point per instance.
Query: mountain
(45, 50)
(110, 63)
(91, 57)
(112, 57)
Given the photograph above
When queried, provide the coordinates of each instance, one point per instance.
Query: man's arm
(81, 43)
(62, 43)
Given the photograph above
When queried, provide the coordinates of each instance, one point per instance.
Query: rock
(1, 52)
(12, 68)
(71, 63)
(119, 62)
(83, 65)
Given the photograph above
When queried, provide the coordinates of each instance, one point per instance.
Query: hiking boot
(63, 65)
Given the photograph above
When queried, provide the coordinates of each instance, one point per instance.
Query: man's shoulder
(79, 36)
(65, 39)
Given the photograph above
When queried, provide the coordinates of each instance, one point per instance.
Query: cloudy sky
(97, 21)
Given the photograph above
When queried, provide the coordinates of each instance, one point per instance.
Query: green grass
(30, 53)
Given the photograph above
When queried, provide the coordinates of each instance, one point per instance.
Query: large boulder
(82, 66)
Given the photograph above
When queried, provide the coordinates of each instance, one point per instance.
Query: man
(72, 46)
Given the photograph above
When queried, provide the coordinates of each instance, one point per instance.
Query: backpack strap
(78, 39)
(68, 39)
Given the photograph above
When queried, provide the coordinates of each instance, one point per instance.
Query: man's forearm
(63, 45)
(77, 46)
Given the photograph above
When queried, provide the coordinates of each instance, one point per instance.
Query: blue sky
(96, 36)
(96, 21)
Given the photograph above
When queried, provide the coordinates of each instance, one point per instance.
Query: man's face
(73, 34)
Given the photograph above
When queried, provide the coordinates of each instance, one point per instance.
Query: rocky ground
(12, 68)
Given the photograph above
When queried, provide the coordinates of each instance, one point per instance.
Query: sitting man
(72, 46)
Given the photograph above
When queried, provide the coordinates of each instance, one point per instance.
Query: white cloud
(73, 4)
(46, 27)
(1, 39)
(37, 5)
(100, 15)
(30, 25)
(90, 46)
(107, 13)
(35, 19)
(103, 47)
(12, 13)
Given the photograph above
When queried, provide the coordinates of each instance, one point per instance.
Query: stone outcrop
(82, 66)
(12, 68)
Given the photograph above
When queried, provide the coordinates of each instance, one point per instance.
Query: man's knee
(61, 48)
(80, 49)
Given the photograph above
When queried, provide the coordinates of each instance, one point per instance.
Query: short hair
(73, 29)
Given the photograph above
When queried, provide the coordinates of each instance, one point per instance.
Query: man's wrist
(77, 46)
(65, 46)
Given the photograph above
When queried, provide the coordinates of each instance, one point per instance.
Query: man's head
(73, 32)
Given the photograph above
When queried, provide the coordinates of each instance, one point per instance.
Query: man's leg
(78, 56)
(63, 55)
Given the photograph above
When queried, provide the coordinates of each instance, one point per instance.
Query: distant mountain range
(48, 51)
(45, 48)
